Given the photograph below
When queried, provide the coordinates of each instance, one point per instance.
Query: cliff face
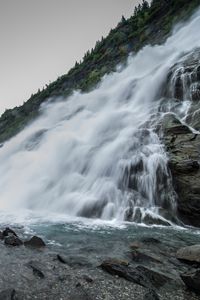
(182, 138)
(148, 25)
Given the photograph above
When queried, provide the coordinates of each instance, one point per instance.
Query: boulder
(36, 242)
(141, 275)
(144, 256)
(190, 254)
(12, 240)
(8, 231)
(192, 280)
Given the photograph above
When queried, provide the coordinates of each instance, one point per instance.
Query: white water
(77, 158)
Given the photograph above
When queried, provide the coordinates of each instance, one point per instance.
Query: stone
(36, 242)
(36, 267)
(192, 280)
(8, 231)
(154, 220)
(144, 256)
(13, 241)
(190, 254)
(140, 275)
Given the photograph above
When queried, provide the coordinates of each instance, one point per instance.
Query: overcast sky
(42, 39)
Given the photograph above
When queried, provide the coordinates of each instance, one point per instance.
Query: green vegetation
(148, 25)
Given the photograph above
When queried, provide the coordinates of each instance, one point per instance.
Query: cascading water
(96, 155)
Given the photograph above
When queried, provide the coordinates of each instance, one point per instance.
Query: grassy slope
(147, 26)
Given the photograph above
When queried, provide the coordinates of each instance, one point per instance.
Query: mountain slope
(148, 25)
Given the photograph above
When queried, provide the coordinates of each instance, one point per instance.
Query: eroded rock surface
(181, 140)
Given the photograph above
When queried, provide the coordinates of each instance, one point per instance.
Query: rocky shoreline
(148, 270)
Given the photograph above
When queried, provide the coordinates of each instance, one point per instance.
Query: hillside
(147, 25)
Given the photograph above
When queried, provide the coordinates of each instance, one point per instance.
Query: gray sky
(42, 39)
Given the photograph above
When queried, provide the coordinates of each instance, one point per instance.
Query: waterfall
(96, 154)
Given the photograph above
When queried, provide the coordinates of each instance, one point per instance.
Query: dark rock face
(182, 144)
(192, 280)
(184, 152)
(36, 242)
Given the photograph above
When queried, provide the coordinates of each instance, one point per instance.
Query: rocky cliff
(181, 136)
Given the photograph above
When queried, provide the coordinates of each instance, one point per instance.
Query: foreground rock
(13, 241)
(36, 242)
(8, 231)
(141, 275)
(192, 280)
(189, 254)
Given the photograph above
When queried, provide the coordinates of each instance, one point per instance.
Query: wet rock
(184, 152)
(12, 241)
(36, 267)
(61, 259)
(140, 275)
(1, 235)
(157, 279)
(192, 280)
(184, 166)
(172, 126)
(151, 295)
(190, 254)
(8, 231)
(144, 256)
(181, 143)
(35, 242)
(9, 294)
(153, 220)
